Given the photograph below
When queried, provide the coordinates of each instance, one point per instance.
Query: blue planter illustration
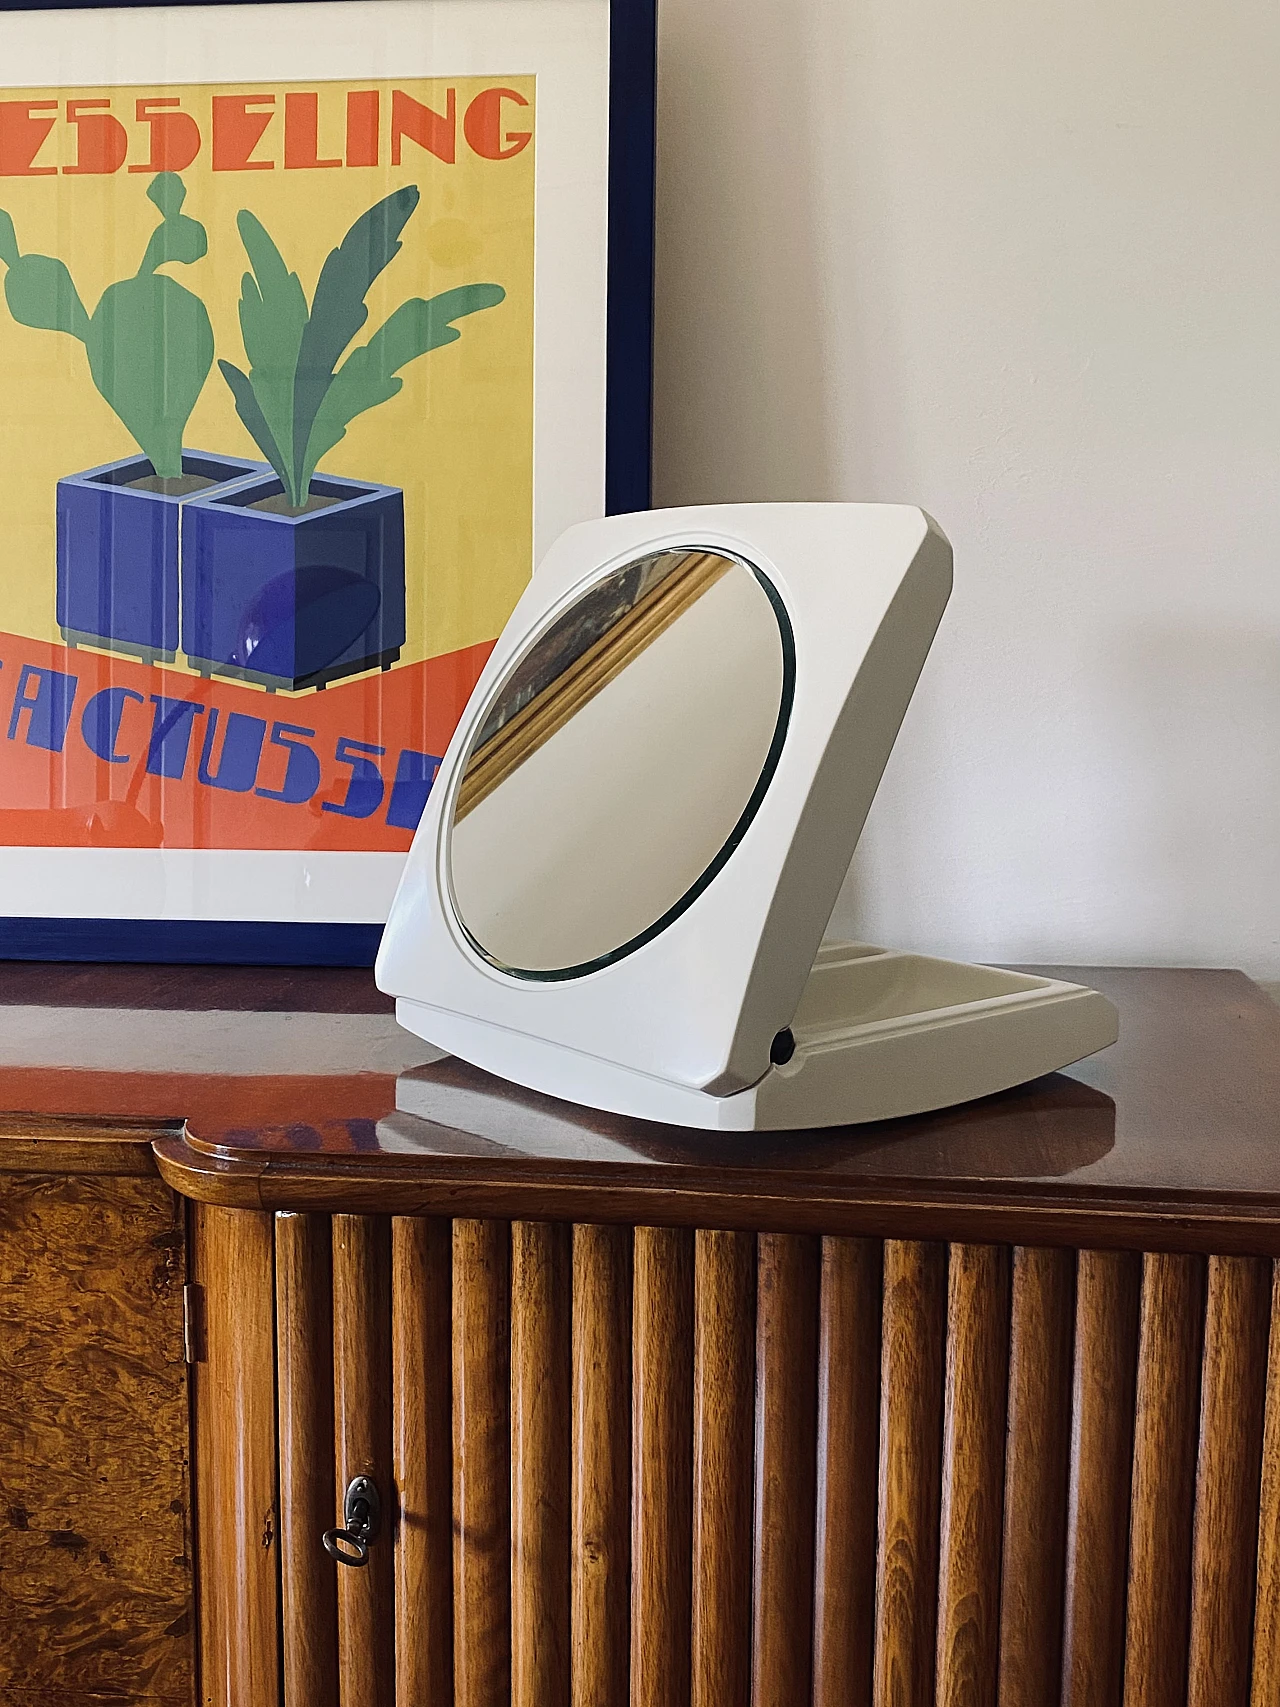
(267, 571)
(118, 529)
(293, 596)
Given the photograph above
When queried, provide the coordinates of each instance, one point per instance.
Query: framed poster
(320, 321)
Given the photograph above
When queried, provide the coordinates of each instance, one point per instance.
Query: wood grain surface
(1106, 1354)
(1191, 1160)
(848, 1455)
(973, 1439)
(193, 989)
(787, 1271)
(481, 1463)
(1169, 1142)
(422, 1458)
(32, 1143)
(1266, 1617)
(362, 1447)
(661, 1466)
(1166, 1424)
(235, 1449)
(1037, 1459)
(724, 1293)
(211, 1657)
(96, 1596)
(304, 1403)
(601, 1477)
(911, 1389)
(541, 1270)
(1233, 1391)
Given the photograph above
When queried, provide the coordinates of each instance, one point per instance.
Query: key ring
(336, 1542)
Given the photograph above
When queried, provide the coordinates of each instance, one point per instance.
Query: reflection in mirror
(620, 762)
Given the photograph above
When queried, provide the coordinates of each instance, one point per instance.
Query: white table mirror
(680, 668)
(618, 890)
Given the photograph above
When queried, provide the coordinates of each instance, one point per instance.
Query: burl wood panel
(304, 1398)
(1164, 1470)
(977, 1365)
(1227, 1481)
(785, 1454)
(848, 1451)
(1106, 1354)
(422, 1447)
(1037, 1455)
(601, 1479)
(481, 1464)
(96, 1586)
(724, 1287)
(661, 1458)
(540, 1377)
(914, 1324)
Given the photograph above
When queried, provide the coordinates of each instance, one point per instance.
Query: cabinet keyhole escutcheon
(361, 1515)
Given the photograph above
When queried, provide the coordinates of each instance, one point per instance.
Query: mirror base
(878, 1035)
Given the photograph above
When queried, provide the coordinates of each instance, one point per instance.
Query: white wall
(1019, 264)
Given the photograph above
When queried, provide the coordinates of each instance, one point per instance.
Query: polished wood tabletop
(286, 1089)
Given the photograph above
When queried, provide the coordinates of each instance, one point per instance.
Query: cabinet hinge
(193, 1324)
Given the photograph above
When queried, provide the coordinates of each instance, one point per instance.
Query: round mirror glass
(619, 762)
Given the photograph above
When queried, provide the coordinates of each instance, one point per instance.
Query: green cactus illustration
(149, 340)
(296, 401)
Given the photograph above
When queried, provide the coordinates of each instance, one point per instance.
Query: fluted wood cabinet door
(726, 1469)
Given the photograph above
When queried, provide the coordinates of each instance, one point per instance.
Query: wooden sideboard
(981, 1407)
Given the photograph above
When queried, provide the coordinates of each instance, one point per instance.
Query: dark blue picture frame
(628, 455)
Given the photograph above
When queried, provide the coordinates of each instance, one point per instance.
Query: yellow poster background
(458, 438)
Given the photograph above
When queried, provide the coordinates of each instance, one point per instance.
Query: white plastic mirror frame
(698, 1006)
